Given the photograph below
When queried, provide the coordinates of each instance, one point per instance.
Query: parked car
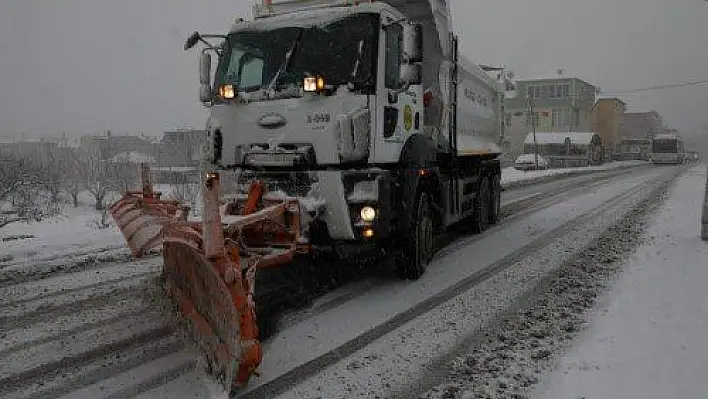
(528, 162)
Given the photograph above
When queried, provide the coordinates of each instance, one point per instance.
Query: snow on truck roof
(302, 18)
(304, 13)
(580, 138)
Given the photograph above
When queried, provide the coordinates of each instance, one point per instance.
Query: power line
(658, 87)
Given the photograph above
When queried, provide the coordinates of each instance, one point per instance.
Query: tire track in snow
(64, 330)
(543, 196)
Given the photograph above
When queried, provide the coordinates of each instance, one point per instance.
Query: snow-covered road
(647, 336)
(94, 329)
(395, 335)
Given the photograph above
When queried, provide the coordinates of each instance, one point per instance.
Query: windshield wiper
(288, 59)
(357, 64)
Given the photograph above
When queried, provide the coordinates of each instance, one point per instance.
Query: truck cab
(313, 83)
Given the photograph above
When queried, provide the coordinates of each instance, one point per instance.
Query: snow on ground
(511, 175)
(647, 336)
(74, 231)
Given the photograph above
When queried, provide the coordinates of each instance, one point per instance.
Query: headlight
(227, 91)
(313, 83)
(368, 214)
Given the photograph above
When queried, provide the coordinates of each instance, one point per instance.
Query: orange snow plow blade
(210, 267)
(140, 216)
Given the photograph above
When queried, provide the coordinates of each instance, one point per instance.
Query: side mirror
(204, 68)
(205, 94)
(191, 41)
(412, 43)
(410, 74)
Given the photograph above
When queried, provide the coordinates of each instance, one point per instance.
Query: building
(560, 104)
(566, 149)
(636, 149)
(109, 145)
(180, 148)
(40, 151)
(608, 117)
(30, 149)
(638, 129)
(642, 125)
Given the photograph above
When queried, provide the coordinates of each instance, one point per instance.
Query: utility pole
(533, 127)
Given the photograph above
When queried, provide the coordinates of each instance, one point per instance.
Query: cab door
(398, 112)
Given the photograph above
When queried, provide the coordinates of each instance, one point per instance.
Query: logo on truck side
(407, 117)
(317, 118)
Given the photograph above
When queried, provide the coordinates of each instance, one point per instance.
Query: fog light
(368, 214)
(368, 233)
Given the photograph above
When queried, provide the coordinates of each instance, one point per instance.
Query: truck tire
(482, 207)
(417, 243)
(495, 209)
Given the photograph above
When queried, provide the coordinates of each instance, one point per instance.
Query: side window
(394, 38)
(232, 70)
(252, 73)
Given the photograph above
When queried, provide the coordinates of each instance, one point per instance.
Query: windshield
(330, 50)
(664, 146)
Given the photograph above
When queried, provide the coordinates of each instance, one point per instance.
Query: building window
(534, 92)
(532, 119)
(560, 117)
(552, 91)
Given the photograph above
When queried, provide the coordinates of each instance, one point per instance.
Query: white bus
(667, 148)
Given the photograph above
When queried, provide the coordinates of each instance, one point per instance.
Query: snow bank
(515, 178)
(647, 337)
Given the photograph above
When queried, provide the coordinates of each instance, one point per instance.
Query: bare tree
(54, 166)
(19, 181)
(75, 178)
(185, 191)
(96, 174)
(124, 173)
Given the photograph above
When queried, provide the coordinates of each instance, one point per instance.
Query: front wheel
(418, 241)
(482, 208)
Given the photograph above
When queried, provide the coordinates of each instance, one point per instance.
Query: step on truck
(342, 124)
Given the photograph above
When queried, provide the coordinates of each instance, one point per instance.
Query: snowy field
(647, 335)
(72, 232)
(75, 232)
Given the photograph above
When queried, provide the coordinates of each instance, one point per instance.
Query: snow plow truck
(343, 125)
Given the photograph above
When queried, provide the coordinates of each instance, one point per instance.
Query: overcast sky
(82, 66)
